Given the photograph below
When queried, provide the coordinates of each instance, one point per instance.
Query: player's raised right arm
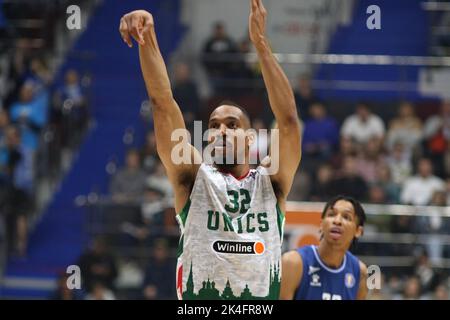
(139, 25)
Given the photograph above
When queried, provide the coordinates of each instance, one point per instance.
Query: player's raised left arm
(281, 98)
(362, 290)
(292, 266)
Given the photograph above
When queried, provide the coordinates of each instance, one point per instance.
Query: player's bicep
(292, 270)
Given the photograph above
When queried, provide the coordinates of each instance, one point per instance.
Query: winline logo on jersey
(226, 149)
(239, 247)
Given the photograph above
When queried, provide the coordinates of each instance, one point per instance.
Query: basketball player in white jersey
(231, 218)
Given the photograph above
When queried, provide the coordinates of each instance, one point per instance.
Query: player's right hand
(135, 24)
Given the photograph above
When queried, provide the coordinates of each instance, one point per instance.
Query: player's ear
(320, 230)
(251, 136)
(359, 232)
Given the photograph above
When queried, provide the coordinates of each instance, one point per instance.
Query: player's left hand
(257, 22)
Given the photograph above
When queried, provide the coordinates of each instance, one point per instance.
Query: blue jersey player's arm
(292, 266)
(362, 290)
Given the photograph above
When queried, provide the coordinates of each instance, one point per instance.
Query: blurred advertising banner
(302, 225)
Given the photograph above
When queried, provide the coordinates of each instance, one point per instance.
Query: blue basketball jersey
(320, 282)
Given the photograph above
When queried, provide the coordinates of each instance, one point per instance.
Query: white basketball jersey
(231, 237)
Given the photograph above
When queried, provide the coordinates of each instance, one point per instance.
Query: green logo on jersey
(210, 292)
(248, 223)
(242, 206)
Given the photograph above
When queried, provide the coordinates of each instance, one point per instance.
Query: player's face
(340, 224)
(227, 131)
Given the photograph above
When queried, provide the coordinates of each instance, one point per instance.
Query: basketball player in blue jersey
(328, 271)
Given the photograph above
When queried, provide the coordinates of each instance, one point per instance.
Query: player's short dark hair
(363, 104)
(357, 207)
(234, 104)
(219, 24)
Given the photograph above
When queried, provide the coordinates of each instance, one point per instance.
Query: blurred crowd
(423, 283)
(42, 116)
(38, 120)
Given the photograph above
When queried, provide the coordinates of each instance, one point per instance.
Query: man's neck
(332, 257)
(237, 171)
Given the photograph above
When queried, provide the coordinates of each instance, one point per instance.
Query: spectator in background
(185, 92)
(4, 123)
(446, 164)
(434, 224)
(441, 293)
(377, 195)
(437, 137)
(304, 95)
(149, 155)
(363, 125)
(72, 90)
(16, 74)
(300, 187)
(399, 162)
(390, 189)
(244, 72)
(70, 105)
(448, 190)
(150, 222)
(160, 181)
(100, 292)
(38, 75)
(128, 184)
(320, 137)
(98, 266)
(215, 55)
(17, 174)
(411, 290)
(401, 224)
(425, 274)
(320, 188)
(153, 207)
(369, 160)
(405, 129)
(30, 114)
(418, 190)
(347, 148)
(349, 182)
(159, 283)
